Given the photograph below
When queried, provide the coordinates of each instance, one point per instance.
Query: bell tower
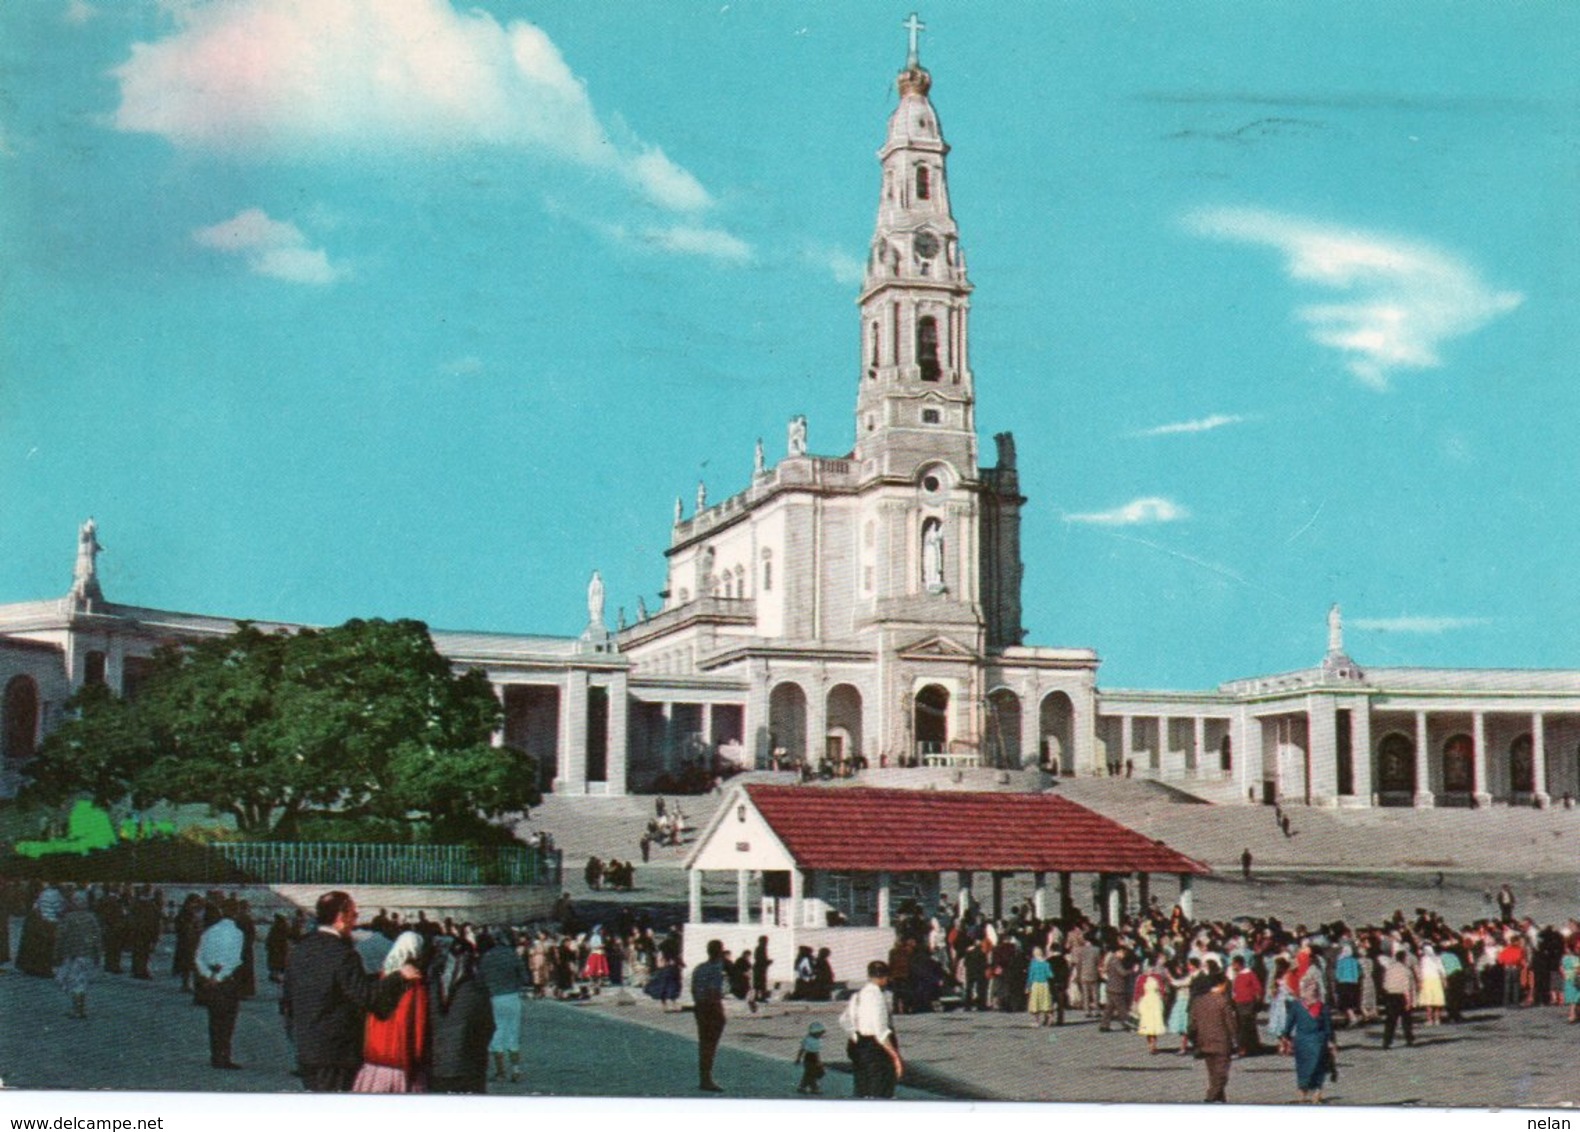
(916, 400)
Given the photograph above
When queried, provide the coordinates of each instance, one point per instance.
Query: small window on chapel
(930, 416)
(924, 183)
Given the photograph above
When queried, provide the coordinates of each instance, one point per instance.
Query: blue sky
(328, 308)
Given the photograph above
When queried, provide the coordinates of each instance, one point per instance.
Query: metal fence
(344, 863)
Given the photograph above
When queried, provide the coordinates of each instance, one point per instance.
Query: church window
(20, 712)
(866, 579)
(768, 575)
(1522, 766)
(930, 416)
(927, 347)
(93, 669)
(872, 349)
(931, 483)
(924, 186)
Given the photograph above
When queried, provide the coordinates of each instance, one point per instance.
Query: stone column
(1113, 902)
(707, 726)
(1031, 728)
(666, 749)
(754, 722)
(694, 887)
(816, 721)
(1539, 761)
(573, 735)
(1361, 750)
(1199, 739)
(1168, 765)
(1322, 742)
(1039, 895)
(1479, 785)
(496, 738)
(965, 897)
(1424, 799)
(883, 900)
(619, 742)
(1187, 896)
(743, 882)
(1127, 740)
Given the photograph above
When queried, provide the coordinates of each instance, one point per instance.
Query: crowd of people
(429, 1004)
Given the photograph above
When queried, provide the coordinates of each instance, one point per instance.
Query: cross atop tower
(916, 27)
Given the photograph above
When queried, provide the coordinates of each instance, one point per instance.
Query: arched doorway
(1396, 767)
(843, 741)
(21, 718)
(1056, 732)
(1522, 766)
(787, 723)
(1001, 745)
(932, 720)
(1459, 765)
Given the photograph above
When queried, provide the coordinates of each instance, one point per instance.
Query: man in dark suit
(328, 995)
(1213, 1027)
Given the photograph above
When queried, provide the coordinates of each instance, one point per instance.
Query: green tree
(364, 720)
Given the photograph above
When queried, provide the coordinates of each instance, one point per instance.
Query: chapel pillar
(694, 903)
(966, 898)
(1187, 899)
(619, 740)
(1539, 761)
(1424, 798)
(1480, 786)
(883, 900)
(1361, 749)
(1127, 740)
(573, 735)
(1039, 895)
(1199, 747)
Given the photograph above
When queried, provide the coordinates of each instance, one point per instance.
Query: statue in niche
(85, 575)
(796, 442)
(933, 555)
(595, 600)
(1006, 449)
(758, 462)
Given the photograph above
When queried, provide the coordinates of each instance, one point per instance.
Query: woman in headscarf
(79, 949)
(463, 1023)
(1433, 980)
(395, 1048)
(1309, 1027)
(35, 953)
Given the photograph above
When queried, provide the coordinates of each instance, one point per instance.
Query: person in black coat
(462, 1017)
(328, 995)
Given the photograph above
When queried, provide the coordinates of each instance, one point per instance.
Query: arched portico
(1056, 732)
(844, 738)
(787, 721)
(1396, 784)
(931, 723)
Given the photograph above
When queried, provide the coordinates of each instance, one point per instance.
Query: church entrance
(932, 721)
(1459, 769)
(21, 718)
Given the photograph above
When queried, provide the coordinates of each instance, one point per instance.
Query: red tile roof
(861, 829)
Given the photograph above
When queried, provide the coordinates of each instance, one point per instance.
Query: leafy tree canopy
(362, 720)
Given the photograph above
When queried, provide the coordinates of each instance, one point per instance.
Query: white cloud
(714, 243)
(462, 367)
(1148, 509)
(1415, 624)
(1205, 424)
(276, 248)
(1404, 299)
(263, 77)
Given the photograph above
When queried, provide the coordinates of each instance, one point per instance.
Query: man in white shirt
(874, 1055)
(219, 956)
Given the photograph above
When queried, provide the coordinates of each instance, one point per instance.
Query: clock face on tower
(926, 245)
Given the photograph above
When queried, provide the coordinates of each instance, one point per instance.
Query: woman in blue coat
(1309, 1028)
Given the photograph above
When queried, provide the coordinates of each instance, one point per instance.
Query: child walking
(810, 1058)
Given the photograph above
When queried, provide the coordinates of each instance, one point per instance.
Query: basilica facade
(862, 612)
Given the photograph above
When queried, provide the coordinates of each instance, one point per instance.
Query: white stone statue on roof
(795, 443)
(595, 601)
(1335, 629)
(85, 575)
